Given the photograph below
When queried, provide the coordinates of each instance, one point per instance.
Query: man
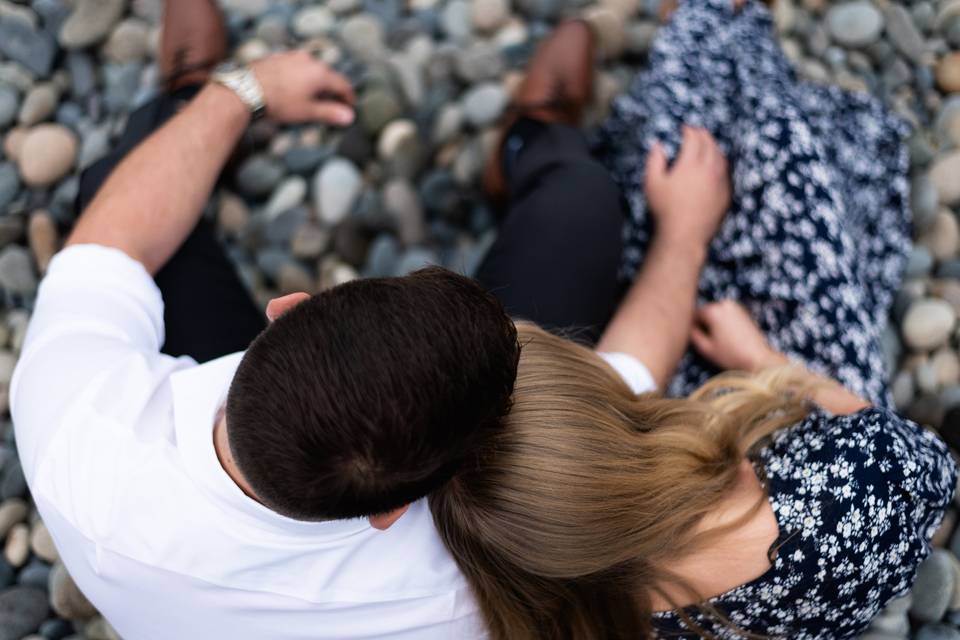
(272, 494)
(278, 492)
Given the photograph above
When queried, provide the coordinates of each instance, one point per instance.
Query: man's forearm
(653, 323)
(154, 198)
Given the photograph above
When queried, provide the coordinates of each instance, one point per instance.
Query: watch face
(226, 67)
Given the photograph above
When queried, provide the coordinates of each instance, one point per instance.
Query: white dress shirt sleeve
(97, 325)
(633, 372)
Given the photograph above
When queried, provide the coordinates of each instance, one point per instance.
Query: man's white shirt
(116, 440)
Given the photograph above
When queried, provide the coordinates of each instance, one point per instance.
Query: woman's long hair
(562, 521)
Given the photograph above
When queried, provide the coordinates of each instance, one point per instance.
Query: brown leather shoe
(557, 88)
(193, 41)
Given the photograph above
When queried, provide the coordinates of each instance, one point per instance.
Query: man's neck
(222, 447)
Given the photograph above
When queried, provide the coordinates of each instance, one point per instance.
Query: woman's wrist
(693, 249)
(770, 360)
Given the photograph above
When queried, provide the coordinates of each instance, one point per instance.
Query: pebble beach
(306, 208)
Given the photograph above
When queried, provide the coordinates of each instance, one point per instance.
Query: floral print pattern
(817, 238)
(857, 499)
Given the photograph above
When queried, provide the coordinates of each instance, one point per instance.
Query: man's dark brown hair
(368, 396)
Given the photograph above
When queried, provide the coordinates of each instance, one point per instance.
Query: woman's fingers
(656, 168)
(702, 343)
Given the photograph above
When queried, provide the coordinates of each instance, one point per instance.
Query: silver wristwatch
(243, 82)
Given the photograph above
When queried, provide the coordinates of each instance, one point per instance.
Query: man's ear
(385, 520)
(279, 306)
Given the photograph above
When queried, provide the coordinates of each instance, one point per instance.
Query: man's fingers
(656, 163)
(333, 113)
(336, 87)
(279, 306)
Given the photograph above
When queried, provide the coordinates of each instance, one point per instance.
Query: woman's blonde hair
(561, 521)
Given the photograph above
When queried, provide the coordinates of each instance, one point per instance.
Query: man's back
(117, 443)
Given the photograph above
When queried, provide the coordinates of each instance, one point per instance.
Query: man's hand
(725, 334)
(299, 88)
(689, 199)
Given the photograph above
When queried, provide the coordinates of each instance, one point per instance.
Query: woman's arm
(687, 202)
(726, 335)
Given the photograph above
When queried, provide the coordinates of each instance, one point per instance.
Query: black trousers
(554, 262)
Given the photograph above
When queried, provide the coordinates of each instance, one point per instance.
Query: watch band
(243, 82)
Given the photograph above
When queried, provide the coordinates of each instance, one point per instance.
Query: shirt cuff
(633, 372)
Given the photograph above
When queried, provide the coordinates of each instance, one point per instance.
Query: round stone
(66, 599)
(90, 22)
(22, 610)
(336, 188)
(246, 8)
(479, 62)
(937, 632)
(610, 28)
(933, 588)
(313, 21)
(489, 15)
(902, 31)
(483, 104)
(48, 153)
(377, 107)
(295, 278)
(362, 36)
(41, 543)
(16, 271)
(943, 237)
(343, 7)
(456, 20)
(16, 549)
(448, 124)
(399, 147)
(36, 573)
(13, 511)
(919, 262)
(309, 241)
(43, 238)
(129, 42)
(9, 105)
(288, 195)
(39, 104)
(9, 184)
(948, 122)
(924, 201)
(928, 324)
(945, 176)
(259, 175)
(402, 202)
(949, 10)
(946, 368)
(948, 72)
(855, 24)
(232, 214)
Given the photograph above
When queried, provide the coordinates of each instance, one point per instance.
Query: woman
(816, 240)
(741, 512)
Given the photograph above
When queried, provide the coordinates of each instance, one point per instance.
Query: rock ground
(310, 207)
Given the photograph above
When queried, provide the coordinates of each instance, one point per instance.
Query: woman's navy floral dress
(857, 499)
(817, 238)
(815, 245)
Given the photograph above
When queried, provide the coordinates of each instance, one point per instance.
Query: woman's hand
(299, 88)
(725, 334)
(689, 199)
